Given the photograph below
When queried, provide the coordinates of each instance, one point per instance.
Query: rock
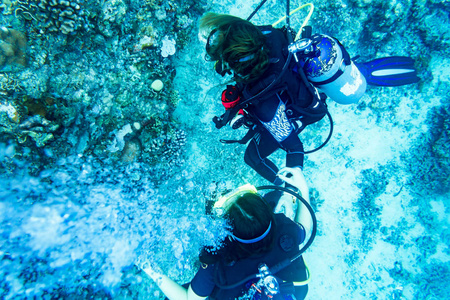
(131, 151)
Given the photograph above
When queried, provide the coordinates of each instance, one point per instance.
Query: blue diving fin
(389, 71)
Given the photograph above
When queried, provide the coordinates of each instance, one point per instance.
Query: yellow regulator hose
(311, 9)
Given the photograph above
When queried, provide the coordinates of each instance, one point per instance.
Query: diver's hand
(149, 270)
(294, 177)
(170, 288)
(286, 206)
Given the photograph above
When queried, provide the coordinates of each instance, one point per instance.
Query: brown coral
(12, 47)
(52, 15)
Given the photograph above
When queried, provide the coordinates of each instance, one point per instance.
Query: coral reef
(334, 18)
(7, 6)
(9, 84)
(372, 184)
(166, 148)
(377, 27)
(27, 118)
(13, 44)
(112, 15)
(431, 32)
(64, 16)
(417, 24)
(96, 77)
(432, 281)
(429, 162)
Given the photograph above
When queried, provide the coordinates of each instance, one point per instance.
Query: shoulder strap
(256, 88)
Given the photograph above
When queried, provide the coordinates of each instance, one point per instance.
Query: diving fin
(389, 71)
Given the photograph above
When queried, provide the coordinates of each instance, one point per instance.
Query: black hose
(286, 64)
(283, 264)
(308, 206)
(328, 137)
(288, 20)
(256, 10)
(225, 118)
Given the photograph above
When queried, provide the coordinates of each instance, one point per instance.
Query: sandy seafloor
(380, 187)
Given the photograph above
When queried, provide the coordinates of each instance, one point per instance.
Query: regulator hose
(330, 133)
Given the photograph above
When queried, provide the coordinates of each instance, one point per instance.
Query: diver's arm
(170, 288)
(302, 215)
(297, 179)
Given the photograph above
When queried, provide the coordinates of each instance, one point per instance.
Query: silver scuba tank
(333, 72)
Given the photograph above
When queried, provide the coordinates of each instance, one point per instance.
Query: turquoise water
(117, 174)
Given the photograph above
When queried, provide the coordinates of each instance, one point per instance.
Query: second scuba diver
(275, 93)
(248, 263)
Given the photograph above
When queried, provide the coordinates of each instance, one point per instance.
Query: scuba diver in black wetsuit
(275, 94)
(255, 54)
(262, 258)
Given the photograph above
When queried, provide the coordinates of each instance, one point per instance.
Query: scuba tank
(333, 72)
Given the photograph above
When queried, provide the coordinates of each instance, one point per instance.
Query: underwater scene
(109, 156)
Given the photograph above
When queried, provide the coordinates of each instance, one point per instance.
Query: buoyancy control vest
(287, 241)
(301, 102)
(277, 43)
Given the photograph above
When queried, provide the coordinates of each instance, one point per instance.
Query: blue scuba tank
(333, 72)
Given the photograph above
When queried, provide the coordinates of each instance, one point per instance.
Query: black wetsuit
(279, 131)
(288, 238)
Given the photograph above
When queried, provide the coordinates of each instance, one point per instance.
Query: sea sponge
(157, 85)
(168, 47)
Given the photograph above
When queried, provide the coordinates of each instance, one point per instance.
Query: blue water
(77, 214)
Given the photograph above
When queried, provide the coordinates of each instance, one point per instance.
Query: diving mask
(212, 44)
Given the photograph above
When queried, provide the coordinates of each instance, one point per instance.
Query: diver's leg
(259, 148)
(294, 153)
